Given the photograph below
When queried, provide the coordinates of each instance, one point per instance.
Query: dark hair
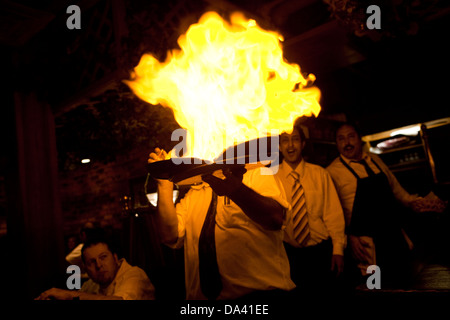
(96, 238)
(349, 124)
(303, 120)
(298, 127)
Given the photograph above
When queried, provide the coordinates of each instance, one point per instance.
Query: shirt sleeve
(287, 217)
(135, 285)
(90, 287)
(182, 210)
(333, 215)
(345, 186)
(263, 181)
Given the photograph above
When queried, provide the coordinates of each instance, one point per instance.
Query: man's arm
(62, 294)
(399, 192)
(333, 217)
(167, 216)
(263, 210)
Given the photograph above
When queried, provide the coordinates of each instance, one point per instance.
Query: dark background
(63, 100)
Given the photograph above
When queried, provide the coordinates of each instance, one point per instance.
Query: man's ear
(116, 259)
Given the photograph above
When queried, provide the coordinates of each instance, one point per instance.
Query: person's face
(291, 146)
(349, 143)
(101, 264)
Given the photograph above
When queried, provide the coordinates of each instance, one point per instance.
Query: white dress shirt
(249, 257)
(130, 283)
(325, 216)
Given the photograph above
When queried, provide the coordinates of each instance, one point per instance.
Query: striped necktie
(299, 215)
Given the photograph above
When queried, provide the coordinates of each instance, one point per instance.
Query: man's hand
(227, 186)
(265, 211)
(58, 294)
(337, 264)
(159, 155)
(358, 247)
(429, 205)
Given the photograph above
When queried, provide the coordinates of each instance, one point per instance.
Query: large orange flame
(228, 84)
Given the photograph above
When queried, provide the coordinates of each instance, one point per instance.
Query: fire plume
(228, 83)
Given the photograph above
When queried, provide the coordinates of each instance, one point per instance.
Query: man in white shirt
(110, 278)
(372, 200)
(314, 233)
(250, 213)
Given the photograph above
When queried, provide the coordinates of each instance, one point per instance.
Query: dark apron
(376, 213)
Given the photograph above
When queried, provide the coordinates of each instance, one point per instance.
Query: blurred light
(410, 131)
(153, 197)
(85, 160)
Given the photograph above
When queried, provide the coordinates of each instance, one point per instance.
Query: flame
(228, 84)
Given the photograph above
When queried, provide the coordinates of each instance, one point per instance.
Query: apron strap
(376, 164)
(349, 168)
(353, 171)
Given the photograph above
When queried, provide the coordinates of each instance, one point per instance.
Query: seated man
(110, 278)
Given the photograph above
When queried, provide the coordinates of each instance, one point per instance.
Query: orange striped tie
(299, 213)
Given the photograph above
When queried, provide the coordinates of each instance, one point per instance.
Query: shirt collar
(123, 267)
(365, 156)
(286, 169)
